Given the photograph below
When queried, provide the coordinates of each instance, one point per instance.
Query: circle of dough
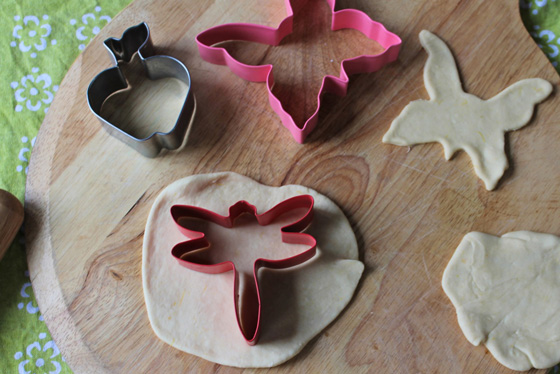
(194, 312)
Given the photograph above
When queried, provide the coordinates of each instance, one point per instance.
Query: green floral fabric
(39, 41)
(542, 20)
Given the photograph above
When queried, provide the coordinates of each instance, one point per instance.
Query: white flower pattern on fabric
(549, 44)
(538, 3)
(90, 26)
(34, 91)
(31, 34)
(40, 357)
(29, 303)
(24, 153)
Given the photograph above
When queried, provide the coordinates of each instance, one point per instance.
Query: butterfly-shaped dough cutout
(459, 120)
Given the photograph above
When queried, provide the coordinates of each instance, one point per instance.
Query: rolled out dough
(194, 312)
(506, 292)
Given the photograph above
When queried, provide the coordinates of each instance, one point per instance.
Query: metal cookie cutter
(341, 19)
(137, 39)
(188, 253)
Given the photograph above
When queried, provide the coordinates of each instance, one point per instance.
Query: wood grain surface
(11, 218)
(88, 196)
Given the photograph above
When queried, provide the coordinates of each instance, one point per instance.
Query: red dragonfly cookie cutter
(341, 19)
(188, 255)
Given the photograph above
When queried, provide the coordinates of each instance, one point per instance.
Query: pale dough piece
(506, 292)
(459, 120)
(194, 312)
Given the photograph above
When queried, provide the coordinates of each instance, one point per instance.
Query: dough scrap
(506, 292)
(194, 312)
(459, 120)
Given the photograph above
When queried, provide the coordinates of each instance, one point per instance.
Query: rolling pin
(11, 218)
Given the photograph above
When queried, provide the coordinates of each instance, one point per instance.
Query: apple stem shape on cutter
(459, 120)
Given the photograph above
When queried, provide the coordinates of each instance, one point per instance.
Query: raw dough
(459, 120)
(194, 312)
(507, 295)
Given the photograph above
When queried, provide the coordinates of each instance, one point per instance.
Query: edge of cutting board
(39, 249)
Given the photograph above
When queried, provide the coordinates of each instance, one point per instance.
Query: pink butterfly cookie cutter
(341, 19)
(188, 253)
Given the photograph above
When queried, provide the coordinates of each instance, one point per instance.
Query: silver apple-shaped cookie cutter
(137, 39)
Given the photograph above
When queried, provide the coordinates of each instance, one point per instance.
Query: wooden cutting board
(88, 196)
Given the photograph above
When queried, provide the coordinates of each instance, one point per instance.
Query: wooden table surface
(88, 196)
